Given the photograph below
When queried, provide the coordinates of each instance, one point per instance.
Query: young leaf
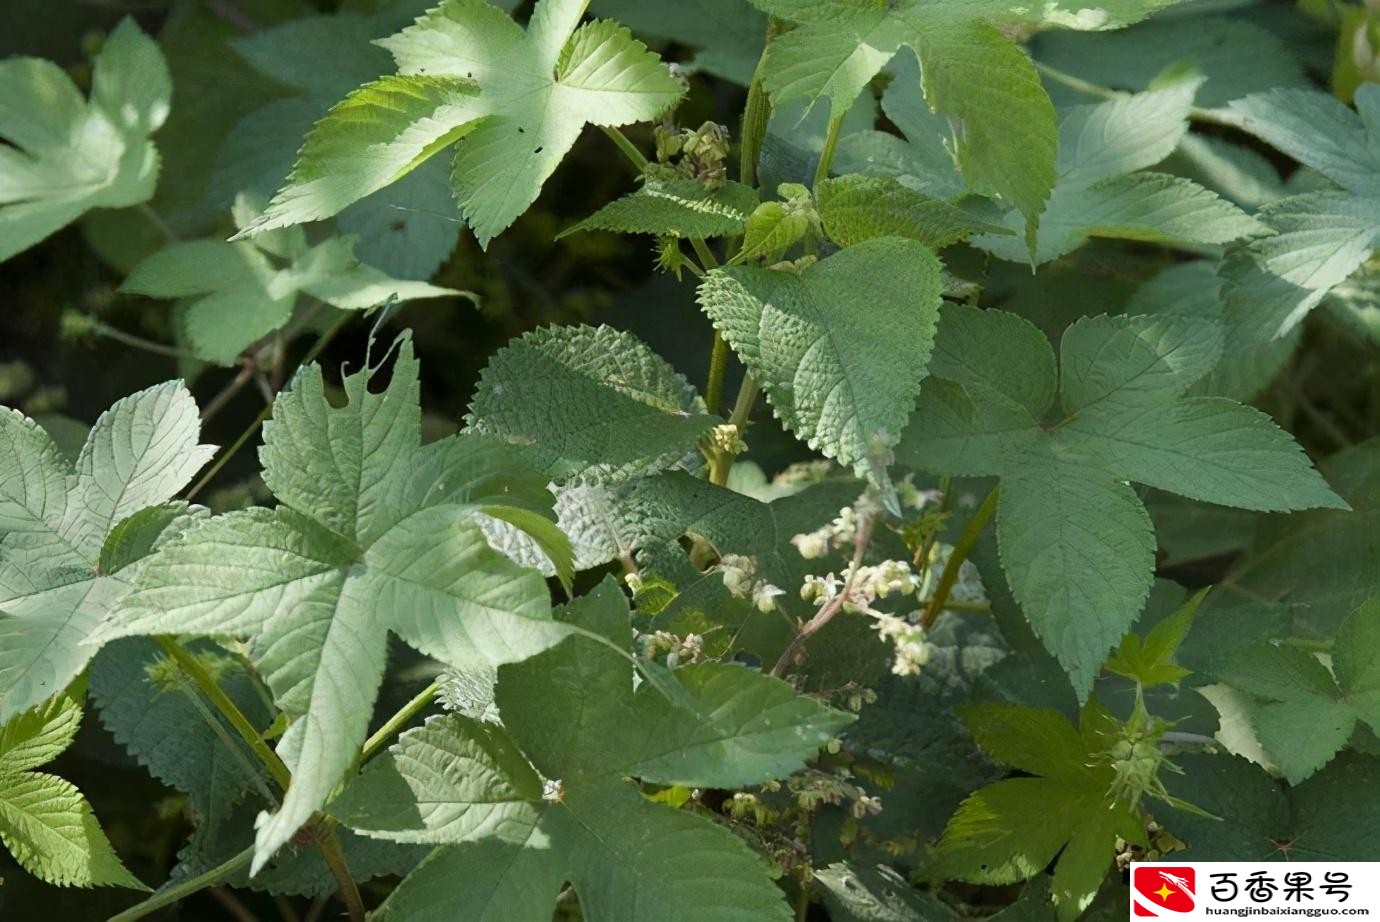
(1099, 193)
(375, 534)
(516, 100)
(55, 521)
(1150, 661)
(574, 714)
(239, 295)
(67, 155)
(677, 208)
(822, 343)
(1011, 830)
(1076, 543)
(45, 821)
(591, 402)
(1310, 713)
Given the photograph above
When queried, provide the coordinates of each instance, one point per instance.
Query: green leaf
(45, 821)
(856, 893)
(822, 343)
(1098, 192)
(1076, 543)
(535, 92)
(67, 155)
(1319, 820)
(775, 227)
(678, 208)
(573, 712)
(1150, 661)
(858, 208)
(1011, 830)
(375, 534)
(588, 401)
(239, 293)
(55, 521)
(1311, 713)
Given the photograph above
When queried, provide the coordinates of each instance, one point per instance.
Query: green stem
(962, 548)
(156, 219)
(718, 368)
(253, 427)
(167, 896)
(826, 155)
(756, 114)
(722, 462)
(100, 328)
(399, 720)
(228, 709)
(1212, 116)
(705, 254)
(627, 147)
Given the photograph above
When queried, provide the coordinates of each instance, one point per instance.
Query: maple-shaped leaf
(1099, 191)
(971, 73)
(1256, 818)
(240, 292)
(1150, 660)
(45, 821)
(822, 342)
(1309, 713)
(516, 100)
(55, 521)
(1321, 237)
(319, 59)
(1076, 543)
(544, 799)
(374, 533)
(1011, 830)
(66, 155)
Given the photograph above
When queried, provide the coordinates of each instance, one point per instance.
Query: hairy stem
(705, 254)
(195, 671)
(399, 720)
(718, 368)
(962, 548)
(175, 893)
(323, 834)
(628, 148)
(1211, 116)
(826, 155)
(100, 328)
(722, 462)
(156, 219)
(231, 904)
(756, 114)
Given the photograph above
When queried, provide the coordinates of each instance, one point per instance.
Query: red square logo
(1162, 891)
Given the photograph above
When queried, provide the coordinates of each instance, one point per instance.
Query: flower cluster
(738, 575)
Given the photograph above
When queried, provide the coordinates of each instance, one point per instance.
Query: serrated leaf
(857, 208)
(1311, 713)
(1150, 661)
(55, 520)
(536, 91)
(45, 821)
(588, 402)
(678, 208)
(239, 293)
(572, 712)
(375, 534)
(1076, 543)
(67, 155)
(1098, 192)
(1011, 830)
(822, 343)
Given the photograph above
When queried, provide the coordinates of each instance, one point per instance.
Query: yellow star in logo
(1164, 892)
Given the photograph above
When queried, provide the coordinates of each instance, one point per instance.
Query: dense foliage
(716, 460)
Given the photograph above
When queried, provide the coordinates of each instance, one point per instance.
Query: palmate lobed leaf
(1076, 544)
(375, 534)
(56, 520)
(516, 100)
(239, 293)
(573, 712)
(67, 155)
(45, 821)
